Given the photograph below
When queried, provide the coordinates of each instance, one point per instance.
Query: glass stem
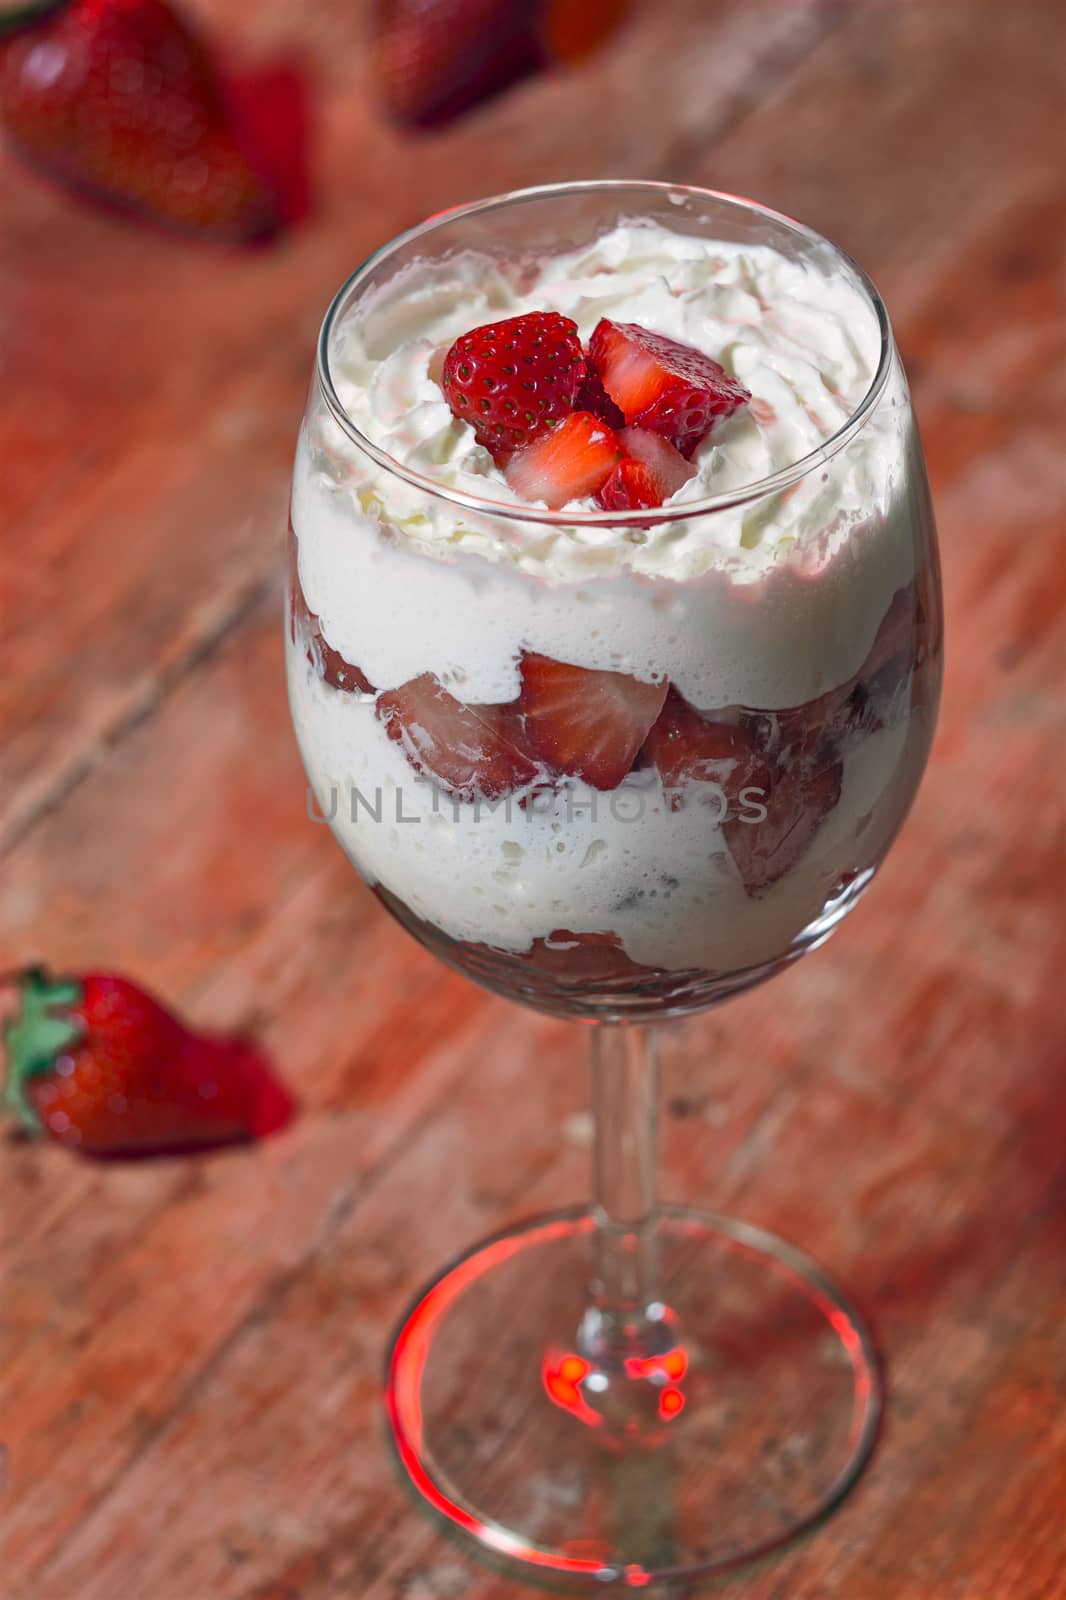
(625, 1160)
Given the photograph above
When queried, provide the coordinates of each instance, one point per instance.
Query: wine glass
(624, 1392)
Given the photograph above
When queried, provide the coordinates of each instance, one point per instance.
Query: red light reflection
(562, 1376)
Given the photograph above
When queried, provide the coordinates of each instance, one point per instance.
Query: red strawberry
(98, 1064)
(800, 798)
(688, 747)
(335, 670)
(119, 97)
(801, 731)
(583, 958)
(435, 59)
(668, 467)
(663, 386)
(593, 397)
(512, 380)
(652, 472)
(586, 723)
(327, 662)
(473, 751)
(630, 487)
(573, 460)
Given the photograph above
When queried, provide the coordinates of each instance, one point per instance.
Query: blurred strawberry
(120, 98)
(688, 747)
(97, 1064)
(651, 472)
(435, 59)
(796, 804)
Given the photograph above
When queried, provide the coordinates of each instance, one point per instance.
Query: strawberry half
(586, 723)
(652, 472)
(120, 98)
(799, 800)
(661, 385)
(630, 487)
(473, 751)
(330, 665)
(574, 460)
(512, 380)
(688, 747)
(97, 1064)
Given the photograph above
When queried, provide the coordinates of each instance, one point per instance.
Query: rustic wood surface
(190, 1351)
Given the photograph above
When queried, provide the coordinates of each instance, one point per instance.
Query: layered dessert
(613, 638)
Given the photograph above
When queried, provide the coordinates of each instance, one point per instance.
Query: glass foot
(739, 1416)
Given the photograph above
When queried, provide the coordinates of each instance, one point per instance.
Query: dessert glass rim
(744, 494)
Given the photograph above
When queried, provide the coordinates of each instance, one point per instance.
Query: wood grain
(189, 1353)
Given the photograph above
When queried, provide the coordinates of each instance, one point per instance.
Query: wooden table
(190, 1350)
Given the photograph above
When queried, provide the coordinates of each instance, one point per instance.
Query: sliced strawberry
(327, 662)
(800, 731)
(688, 747)
(661, 385)
(586, 723)
(336, 671)
(573, 460)
(513, 380)
(583, 957)
(668, 467)
(436, 59)
(473, 751)
(799, 800)
(592, 396)
(652, 471)
(630, 487)
(898, 634)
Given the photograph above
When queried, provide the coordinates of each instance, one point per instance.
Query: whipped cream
(767, 604)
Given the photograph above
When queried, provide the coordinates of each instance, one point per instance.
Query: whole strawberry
(513, 380)
(119, 98)
(97, 1064)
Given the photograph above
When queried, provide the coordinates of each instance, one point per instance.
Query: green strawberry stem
(24, 16)
(44, 1029)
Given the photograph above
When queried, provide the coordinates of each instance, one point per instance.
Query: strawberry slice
(799, 800)
(121, 98)
(472, 751)
(592, 396)
(586, 723)
(512, 380)
(688, 747)
(668, 467)
(96, 1063)
(573, 460)
(661, 385)
(330, 665)
(631, 486)
(335, 670)
(652, 472)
